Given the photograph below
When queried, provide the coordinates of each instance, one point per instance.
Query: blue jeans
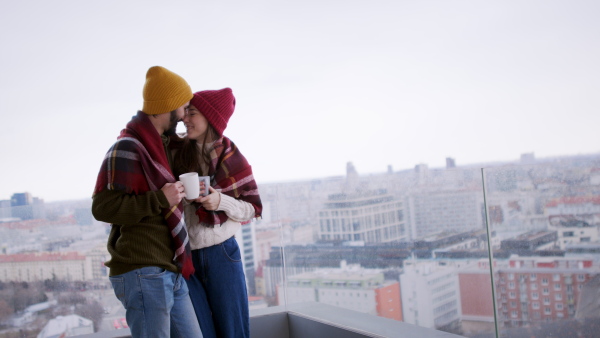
(157, 303)
(218, 287)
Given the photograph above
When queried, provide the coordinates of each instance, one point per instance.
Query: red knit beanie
(216, 105)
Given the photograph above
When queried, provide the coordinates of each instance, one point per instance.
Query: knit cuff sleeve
(162, 199)
(235, 209)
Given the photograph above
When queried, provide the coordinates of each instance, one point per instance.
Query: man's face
(176, 116)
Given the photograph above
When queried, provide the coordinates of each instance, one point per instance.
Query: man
(137, 193)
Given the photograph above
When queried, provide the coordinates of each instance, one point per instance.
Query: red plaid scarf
(137, 163)
(232, 174)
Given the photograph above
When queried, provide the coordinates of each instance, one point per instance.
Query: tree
(5, 310)
(92, 311)
(71, 298)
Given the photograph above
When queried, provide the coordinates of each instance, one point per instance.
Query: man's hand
(173, 192)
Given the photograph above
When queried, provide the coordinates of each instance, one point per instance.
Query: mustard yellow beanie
(164, 91)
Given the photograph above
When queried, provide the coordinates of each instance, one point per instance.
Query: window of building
(558, 296)
(546, 301)
(533, 277)
(535, 305)
(545, 291)
(557, 286)
(547, 311)
(535, 295)
(545, 281)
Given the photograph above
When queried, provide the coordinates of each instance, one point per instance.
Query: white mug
(191, 185)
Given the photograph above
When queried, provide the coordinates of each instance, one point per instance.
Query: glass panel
(52, 263)
(410, 246)
(546, 217)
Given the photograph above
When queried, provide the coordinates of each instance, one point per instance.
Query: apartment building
(30, 267)
(350, 287)
(577, 208)
(541, 289)
(530, 290)
(475, 284)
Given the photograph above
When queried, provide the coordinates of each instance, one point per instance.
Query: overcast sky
(318, 83)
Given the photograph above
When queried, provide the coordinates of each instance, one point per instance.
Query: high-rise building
(430, 294)
(24, 206)
(5, 210)
(370, 216)
(246, 237)
(435, 211)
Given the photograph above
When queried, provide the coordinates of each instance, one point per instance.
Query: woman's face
(195, 123)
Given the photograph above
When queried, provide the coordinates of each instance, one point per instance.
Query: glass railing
(498, 251)
(545, 269)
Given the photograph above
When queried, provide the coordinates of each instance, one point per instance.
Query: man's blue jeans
(218, 287)
(157, 303)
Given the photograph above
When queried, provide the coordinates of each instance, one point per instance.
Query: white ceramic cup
(206, 180)
(191, 185)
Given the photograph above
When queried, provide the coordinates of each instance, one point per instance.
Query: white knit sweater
(202, 237)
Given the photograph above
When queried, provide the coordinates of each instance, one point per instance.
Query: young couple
(161, 244)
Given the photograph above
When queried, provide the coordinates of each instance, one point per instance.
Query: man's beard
(173, 126)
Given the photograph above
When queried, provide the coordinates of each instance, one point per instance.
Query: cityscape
(512, 247)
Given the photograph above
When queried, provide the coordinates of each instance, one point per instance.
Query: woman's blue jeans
(218, 291)
(157, 303)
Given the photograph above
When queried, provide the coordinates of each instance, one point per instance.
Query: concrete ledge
(316, 320)
(321, 320)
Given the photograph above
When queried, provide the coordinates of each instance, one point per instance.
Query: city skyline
(543, 246)
(524, 159)
(318, 84)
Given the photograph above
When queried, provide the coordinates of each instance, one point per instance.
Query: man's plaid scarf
(230, 173)
(137, 163)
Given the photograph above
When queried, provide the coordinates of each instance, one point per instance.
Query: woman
(218, 286)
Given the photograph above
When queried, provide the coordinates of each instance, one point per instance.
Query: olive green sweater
(139, 234)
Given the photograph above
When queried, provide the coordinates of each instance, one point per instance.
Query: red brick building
(529, 290)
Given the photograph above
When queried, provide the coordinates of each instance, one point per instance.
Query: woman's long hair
(188, 159)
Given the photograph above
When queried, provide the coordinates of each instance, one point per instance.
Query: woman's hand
(211, 201)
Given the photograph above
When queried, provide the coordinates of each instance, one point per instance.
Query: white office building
(430, 294)
(373, 216)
